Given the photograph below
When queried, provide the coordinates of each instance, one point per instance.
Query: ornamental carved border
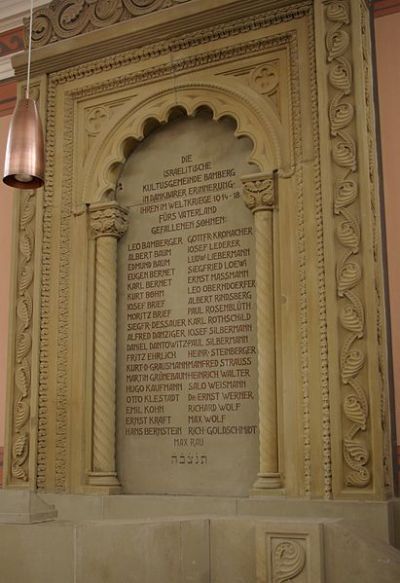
(349, 268)
(322, 303)
(19, 466)
(87, 71)
(60, 19)
(376, 242)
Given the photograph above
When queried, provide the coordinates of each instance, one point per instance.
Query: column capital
(108, 219)
(259, 192)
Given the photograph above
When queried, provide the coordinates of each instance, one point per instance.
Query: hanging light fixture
(24, 161)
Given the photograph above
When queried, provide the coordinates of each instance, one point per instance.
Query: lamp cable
(29, 51)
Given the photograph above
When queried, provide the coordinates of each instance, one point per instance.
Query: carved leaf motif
(346, 192)
(21, 415)
(19, 472)
(344, 150)
(352, 320)
(23, 377)
(359, 478)
(24, 345)
(289, 560)
(26, 245)
(259, 193)
(348, 233)
(105, 9)
(340, 114)
(337, 43)
(356, 453)
(338, 12)
(24, 310)
(26, 276)
(20, 447)
(28, 210)
(72, 11)
(110, 222)
(353, 362)
(340, 75)
(348, 277)
(354, 411)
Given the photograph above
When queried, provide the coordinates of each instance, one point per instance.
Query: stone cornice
(157, 26)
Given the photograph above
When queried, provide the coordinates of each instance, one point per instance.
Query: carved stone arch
(254, 117)
(271, 154)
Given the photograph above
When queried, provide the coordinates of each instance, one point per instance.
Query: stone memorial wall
(187, 370)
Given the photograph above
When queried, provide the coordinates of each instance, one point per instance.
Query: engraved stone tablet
(187, 364)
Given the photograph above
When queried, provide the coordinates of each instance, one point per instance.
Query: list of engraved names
(190, 353)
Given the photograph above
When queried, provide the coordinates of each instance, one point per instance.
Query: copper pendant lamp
(24, 161)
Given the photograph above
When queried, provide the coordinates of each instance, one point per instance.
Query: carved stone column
(108, 222)
(259, 196)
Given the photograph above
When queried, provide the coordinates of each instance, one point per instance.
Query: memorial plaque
(187, 363)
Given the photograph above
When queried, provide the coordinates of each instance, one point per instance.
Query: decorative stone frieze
(59, 20)
(349, 270)
(23, 341)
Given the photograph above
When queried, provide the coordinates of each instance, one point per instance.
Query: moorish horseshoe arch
(108, 222)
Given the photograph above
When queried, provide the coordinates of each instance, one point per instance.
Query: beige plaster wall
(388, 62)
(6, 197)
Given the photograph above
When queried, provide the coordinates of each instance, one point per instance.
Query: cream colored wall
(6, 197)
(388, 60)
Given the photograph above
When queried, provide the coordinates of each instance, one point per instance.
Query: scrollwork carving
(60, 19)
(349, 272)
(23, 340)
(288, 561)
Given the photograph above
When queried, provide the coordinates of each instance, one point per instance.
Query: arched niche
(187, 397)
(109, 222)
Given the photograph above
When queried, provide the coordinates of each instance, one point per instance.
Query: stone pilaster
(108, 222)
(259, 196)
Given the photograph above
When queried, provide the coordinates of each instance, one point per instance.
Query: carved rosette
(108, 222)
(259, 197)
(23, 340)
(349, 270)
(60, 19)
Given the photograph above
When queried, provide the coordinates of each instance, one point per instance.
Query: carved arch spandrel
(255, 119)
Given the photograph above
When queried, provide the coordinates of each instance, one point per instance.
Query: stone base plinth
(200, 549)
(24, 507)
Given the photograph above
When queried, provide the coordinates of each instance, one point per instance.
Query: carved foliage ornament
(67, 18)
(349, 272)
(258, 192)
(23, 340)
(288, 561)
(108, 221)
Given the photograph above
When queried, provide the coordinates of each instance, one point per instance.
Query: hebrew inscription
(187, 362)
